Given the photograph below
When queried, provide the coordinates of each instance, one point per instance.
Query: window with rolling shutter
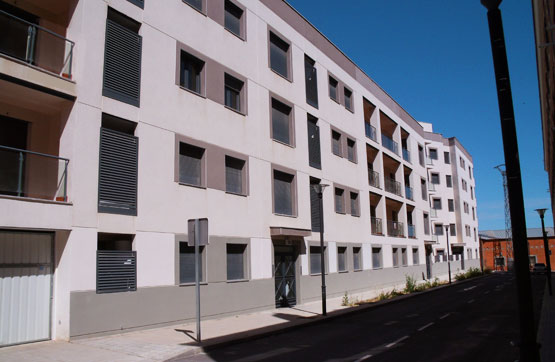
(283, 193)
(314, 157)
(357, 265)
(116, 271)
(122, 59)
(339, 201)
(139, 3)
(187, 263)
(191, 164)
(314, 206)
(311, 82)
(234, 173)
(281, 122)
(351, 150)
(354, 204)
(336, 143)
(341, 259)
(236, 261)
(117, 181)
(376, 258)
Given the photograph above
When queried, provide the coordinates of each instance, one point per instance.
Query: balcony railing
(392, 186)
(373, 178)
(406, 154)
(412, 231)
(409, 194)
(390, 144)
(431, 187)
(433, 213)
(435, 238)
(430, 161)
(376, 225)
(36, 45)
(395, 228)
(32, 174)
(370, 131)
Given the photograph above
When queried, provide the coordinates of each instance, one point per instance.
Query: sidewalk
(546, 330)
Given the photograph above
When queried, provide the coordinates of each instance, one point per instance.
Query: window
(351, 150)
(452, 229)
(451, 205)
(470, 172)
(283, 193)
(233, 18)
(191, 165)
(436, 204)
(395, 256)
(315, 260)
(314, 157)
(233, 92)
(187, 263)
(404, 257)
(471, 192)
(236, 266)
(421, 155)
(122, 59)
(467, 228)
(461, 162)
(341, 259)
(446, 158)
(465, 207)
(191, 74)
(463, 182)
(333, 88)
(281, 122)
(377, 258)
(435, 178)
(139, 3)
(234, 175)
(357, 256)
(426, 218)
(423, 189)
(473, 213)
(314, 206)
(448, 180)
(336, 143)
(339, 201)
(118, 166)
(433, 153)
(279, 55)
(475, 239)
(116, 263)
(197, 4)
(311, 82)
(354, 204)
(438, 229)
(348, 99)
(415, 256)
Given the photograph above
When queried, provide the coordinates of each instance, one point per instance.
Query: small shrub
(460, 276)
(410, 284)
(345, 300)
(384, 296)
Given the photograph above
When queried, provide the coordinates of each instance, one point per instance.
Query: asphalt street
(473, 321)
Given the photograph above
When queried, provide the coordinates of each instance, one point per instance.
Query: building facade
(123, 119)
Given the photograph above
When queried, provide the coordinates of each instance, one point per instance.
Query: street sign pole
(197, 274)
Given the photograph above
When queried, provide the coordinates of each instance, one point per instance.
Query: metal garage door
(25, 286)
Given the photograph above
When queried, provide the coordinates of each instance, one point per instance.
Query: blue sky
(434, 58)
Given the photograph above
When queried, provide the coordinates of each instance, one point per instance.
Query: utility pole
(319, 189)
(448, 256)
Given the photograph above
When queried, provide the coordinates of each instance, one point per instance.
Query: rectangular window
(336, 143)
(436, 204)
(451, 205)
(354, 204)
(433, 153)
(467, 230)
(475, 239)
(341, 259)
(473, 213)
(234, 175)
(438, 229)
(357, 258)
(348, 99)
(426, 218)
(446, 158)
(197, 4)
(339, 201)
(191, 73)
(139, 3)
(463, 182)
(415, 256)
(233, 91)
(236, 266)
(116, 263)
(314, 206)
(376, 258)
(395, 257)
(279, 55)
(469, 172)
(435, 178)
(452, 230)
(233, 18)
(423, 189)
(311, 82)
(471, 192)
(187, 263)
(333, 88)
(191, 165)
(448, 181)
(465, 207)
(283, 193)
(314, 156)
(404, 257)
(351, 150)
(315, 260)
(461, 161)
(281, 122)
(421, 155)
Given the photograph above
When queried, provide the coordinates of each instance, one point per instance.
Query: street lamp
(448, 257)
(319, 189)
(541, 212)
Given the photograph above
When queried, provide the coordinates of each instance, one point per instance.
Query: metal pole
(448, 257)
(547, 256)
(322, 259)
(528, 345)
(197, 274)
(20, 175)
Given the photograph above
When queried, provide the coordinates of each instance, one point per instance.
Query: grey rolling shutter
(117, 181)
(341, 265)
(139, 3)
(311, 79)
(187, 263)
(314, 157)
(116, 271)
(315, 260)
(336, 143)
(280, 121)
(234, 175)
(235, 261)
(283, 201)
(122, 64)
(190, 164)
(314, 210)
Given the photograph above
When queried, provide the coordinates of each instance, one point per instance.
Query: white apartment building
(122, 119)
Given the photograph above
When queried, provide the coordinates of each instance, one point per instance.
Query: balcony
(33, 175)
(406, 154)
(433, 213)
(430, 161)
(376, 225)
(392, 186)
(373, 178)
(370, 131)
(390, 144)
(395, 228)
(409, 194)
(36, 45)
(412, 231)
(431, 187)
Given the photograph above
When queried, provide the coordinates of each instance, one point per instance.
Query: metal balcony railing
(32, 174)
(370, 131)
(392, 186)
(395, 228)
(36, 45)
(435, 238)
(390, 144)
(433, 213)
(406, 154)
(431, 187)
(373, 178)
(376, 225)
(411, 230)
(429, 161)
(409, 194)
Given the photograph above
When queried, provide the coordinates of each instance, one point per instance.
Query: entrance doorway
(285, 276)
(428, 262)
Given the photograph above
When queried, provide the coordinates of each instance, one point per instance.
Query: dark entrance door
(428, 262)
(284, 272)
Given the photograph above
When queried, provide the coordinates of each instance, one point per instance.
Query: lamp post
(448, 257)
(528, 345)
(541, 212)
(319, 189)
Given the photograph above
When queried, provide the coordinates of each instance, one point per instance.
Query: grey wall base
(439, 269)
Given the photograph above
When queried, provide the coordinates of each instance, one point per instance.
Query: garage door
(25, 286)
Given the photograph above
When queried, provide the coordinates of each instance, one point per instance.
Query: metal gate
(25, 286)
(285, 278)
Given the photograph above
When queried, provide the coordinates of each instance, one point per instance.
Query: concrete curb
(267, 331)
